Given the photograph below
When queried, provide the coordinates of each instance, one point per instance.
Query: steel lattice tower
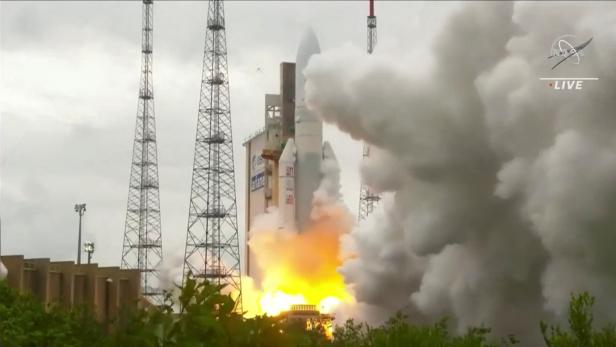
(212, 239)
(142, 247)
(367, 198)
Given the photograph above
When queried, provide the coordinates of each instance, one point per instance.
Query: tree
(399, 332)
(208, 318)
(581, 332)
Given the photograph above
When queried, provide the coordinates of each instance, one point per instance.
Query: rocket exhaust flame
(298, 267)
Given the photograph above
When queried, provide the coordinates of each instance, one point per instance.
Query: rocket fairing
(286, 182)
(308, 135)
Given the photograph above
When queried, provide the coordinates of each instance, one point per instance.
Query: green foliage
(399, 332)
(208, 318)
(25, 322)
(581, 332)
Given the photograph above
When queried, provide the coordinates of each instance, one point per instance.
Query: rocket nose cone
(308, 45)
(288, 153)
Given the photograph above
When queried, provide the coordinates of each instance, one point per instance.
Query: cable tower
(142, 248)
(367, 198)
(212, 239)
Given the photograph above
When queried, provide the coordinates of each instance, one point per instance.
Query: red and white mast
(367, 198)
(371, 28)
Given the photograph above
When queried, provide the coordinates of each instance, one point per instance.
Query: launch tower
(212, 241)
(142, 246)
(367, 198)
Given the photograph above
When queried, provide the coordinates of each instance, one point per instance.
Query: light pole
(89, 247)
(80, 209)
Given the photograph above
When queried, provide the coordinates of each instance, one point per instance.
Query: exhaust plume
(500, 190)
(300, 266)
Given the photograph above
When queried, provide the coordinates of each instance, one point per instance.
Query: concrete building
(104, 289)
(263, 150)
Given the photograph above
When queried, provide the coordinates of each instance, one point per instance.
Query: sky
(69, 74)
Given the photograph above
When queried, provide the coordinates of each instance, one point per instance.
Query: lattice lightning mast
(142, 248)
(212, 239)
(367, 198)
(371, 28)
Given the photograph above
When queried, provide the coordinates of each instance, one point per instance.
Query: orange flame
(298, 267)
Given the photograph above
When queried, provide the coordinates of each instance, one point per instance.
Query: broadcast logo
(567, 48)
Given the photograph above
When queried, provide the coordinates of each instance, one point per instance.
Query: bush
(208, 318)
(24, 321)
(399, 332)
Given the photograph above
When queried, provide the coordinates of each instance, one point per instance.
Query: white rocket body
(286, 185)
(300, 164)
(308, 135)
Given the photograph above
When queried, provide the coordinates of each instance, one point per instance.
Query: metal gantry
(212, 240)
(142, 247)
(367, 198)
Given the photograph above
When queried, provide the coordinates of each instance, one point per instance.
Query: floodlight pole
(80, 209)
(89, 245)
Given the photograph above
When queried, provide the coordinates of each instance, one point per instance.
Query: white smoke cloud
(503, 190)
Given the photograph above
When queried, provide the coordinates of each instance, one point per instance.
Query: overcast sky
(69, 81)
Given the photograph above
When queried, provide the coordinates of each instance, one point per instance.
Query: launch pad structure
(284, 164)
(263, 151)
(309, 317)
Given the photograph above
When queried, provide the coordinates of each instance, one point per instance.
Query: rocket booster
(286, 184)
(308, 135)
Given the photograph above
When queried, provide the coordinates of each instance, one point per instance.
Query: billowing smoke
(501, 192)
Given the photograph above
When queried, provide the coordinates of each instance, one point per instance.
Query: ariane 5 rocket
(299, 166)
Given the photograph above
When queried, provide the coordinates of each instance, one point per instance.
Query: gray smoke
(501, 191)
